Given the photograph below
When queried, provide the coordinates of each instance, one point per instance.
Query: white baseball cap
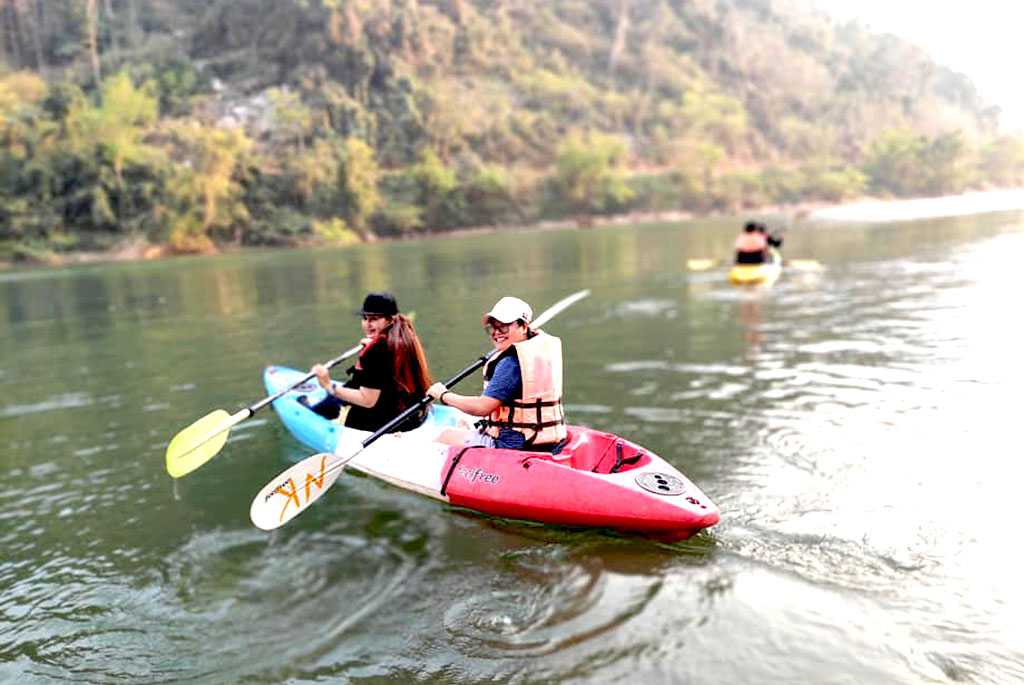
(509, 309)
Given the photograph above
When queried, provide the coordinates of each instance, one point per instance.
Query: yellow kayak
(756, 274)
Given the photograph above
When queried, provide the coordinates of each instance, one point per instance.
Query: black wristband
(441, 397)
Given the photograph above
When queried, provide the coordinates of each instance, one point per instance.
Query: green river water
(856, 426)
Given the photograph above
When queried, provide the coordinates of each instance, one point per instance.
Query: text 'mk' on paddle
(201, 441)
(294, 490)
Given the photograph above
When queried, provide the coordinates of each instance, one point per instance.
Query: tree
(943, 164)
(205, 189)
(1002, 161)
(590, 173)
(357, 185)
(293, 119)
(906, 164)
(433, 187)
(314, 174)
(91, 38)
(121, 121)
(893, 162)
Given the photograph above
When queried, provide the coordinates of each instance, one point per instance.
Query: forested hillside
(192, 124)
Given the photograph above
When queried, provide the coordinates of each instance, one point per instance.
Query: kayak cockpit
(597, 452)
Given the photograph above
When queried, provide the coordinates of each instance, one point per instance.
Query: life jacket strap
(523, 407)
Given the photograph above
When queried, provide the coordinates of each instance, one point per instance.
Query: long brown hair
(410, 364)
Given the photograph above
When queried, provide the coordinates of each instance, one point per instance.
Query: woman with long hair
(390, 375)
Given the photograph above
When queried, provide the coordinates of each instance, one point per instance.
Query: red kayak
(598, 479)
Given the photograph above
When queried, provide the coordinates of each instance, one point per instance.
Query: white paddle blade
(804, 264)
(288, 495)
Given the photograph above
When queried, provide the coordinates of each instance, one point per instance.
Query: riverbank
(924, 208)
(864, 209)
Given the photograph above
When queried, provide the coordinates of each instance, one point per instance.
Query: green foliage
(784, 186)
(655, 192)
(834, 184)
(357, 185)
(433, 188)
(276, 226)
(590, 173)
(120, 122)
(909, 164)
(398, 220)
(1002, 161)
(336, 232)
(276, 123)
(205, 191)
(893, 162)
(293, 120)
(312, 174)
(740, 190)
(489, 196)
(74, 175)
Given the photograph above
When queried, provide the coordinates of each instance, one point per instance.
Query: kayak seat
(600, 452)
(595, 451)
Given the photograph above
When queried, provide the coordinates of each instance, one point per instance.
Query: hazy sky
(981, 38)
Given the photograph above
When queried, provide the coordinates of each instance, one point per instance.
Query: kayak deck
(765, 273)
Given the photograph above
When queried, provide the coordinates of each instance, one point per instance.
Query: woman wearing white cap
(522, 399)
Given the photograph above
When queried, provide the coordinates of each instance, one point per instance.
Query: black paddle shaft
(428, 399)
(536, 324)
(309, 376)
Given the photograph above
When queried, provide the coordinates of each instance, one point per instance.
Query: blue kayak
(321, 434)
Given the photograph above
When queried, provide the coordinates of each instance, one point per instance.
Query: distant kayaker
(522, 399)
(751, 245)
(390, 375)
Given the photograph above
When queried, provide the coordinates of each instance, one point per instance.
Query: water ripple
(556, 603)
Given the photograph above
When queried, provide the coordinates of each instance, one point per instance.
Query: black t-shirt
(376, 370)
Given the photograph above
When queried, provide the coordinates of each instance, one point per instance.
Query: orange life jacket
(538, 414)
(751, 242)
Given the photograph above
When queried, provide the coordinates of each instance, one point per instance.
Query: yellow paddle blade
(804, 264)
(699, 264)
(200, 442)
(288, 495)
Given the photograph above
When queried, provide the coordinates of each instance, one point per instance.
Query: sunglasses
(493, 326)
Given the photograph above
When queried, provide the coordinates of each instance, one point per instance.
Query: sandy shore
(924, 208)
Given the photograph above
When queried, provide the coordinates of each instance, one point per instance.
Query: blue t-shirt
(507, 384)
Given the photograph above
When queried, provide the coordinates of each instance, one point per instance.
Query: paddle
(201, 441)
(705, 264)
(798, 264)
(293, 491)
(803, 264)
(701, 264)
